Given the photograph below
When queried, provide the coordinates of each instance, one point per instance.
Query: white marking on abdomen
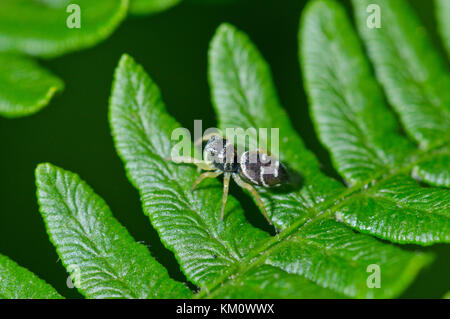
(244, 169)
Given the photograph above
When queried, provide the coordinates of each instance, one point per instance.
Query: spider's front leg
(190, 160)
(204, 176)
(255, 194)
(226, 183)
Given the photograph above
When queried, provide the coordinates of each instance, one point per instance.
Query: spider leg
(253, 191)
(190, 160)
(226, 183)
(204, 176)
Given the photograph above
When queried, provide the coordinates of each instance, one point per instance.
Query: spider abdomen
(262, 169)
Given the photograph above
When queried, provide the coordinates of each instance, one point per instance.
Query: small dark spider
(252, 167)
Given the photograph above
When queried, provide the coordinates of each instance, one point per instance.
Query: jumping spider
(255, 167)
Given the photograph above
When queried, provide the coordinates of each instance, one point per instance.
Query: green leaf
(230, 258)
(413, 74)
(442, 9)
(434, 171)
(24, 30)
(19, 283)
(356, 126)
(329, 255)
(333, 257)
(244, 94)
(401, 211)
(211, 2)
(187, 222)
(347, 106)
(25, 87)
(151, 6)
(269, 282)
(244, 97)
(103, 258)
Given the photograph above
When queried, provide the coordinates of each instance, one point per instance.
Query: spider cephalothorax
(251, 167)
(221, 154)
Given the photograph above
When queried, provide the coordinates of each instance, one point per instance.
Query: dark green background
(73, 132)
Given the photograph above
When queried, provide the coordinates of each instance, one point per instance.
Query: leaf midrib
(144, 132)
(323, 210)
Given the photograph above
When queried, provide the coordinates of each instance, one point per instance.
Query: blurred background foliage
(73, 132)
